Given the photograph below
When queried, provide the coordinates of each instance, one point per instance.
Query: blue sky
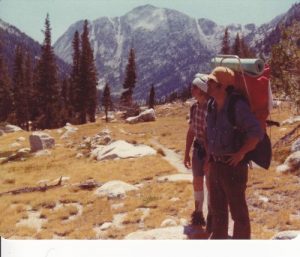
(29, 15)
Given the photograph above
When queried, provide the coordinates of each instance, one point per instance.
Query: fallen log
(32, 189)
(88, 184)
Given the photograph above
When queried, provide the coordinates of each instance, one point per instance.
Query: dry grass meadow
(73, 213)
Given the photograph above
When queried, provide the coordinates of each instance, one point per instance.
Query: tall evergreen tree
(236, 48)
(48, 88)
(88, 78)
(20, 93)
(34, 109)
(285, 64)
(5, 90)
(130, 80)
(152, 97)
(28, 85)
(226, 42)
(75, 86)
(246, 52)
(106, 100)
(66, 106)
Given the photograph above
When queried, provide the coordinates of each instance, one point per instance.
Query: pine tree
(29, 89)
(285, 64)
(66, 106)
(225, 43)
(152, 97)
(20, 92)
(75, 90)
(130, 80)
(5, 90)
(88, 78)
(34, 98)
(236, 48)
(48, 90)
(106, 101)
(246, 52)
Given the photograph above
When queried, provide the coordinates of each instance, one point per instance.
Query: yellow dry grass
(267, 218)
(133, 217)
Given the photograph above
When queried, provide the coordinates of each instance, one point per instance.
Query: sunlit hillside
(70, 210)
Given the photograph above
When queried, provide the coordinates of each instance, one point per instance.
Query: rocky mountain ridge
(170, 46)
(11, 37)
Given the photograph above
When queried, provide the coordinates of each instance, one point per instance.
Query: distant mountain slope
(10, 37)
(170, 46)
(283, 20)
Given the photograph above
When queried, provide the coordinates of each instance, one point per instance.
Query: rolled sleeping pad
(252, 67)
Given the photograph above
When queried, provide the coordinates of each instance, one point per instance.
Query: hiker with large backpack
(196, 137)
(227, 146)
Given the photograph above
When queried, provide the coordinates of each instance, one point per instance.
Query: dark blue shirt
(222, 137)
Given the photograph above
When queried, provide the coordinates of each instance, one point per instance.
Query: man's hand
(235, 158)
(187, 161)
(249, 145)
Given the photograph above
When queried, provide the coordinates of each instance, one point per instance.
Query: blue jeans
(227, 188)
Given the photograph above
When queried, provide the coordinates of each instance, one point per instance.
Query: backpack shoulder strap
(233, 98)
(210, 104)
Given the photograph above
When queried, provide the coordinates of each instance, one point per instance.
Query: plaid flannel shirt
(197, 120)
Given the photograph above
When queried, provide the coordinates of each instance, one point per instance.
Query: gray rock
(103, 139)
(145, 116)
(110, 116)
(11, 128)
(294, 161)
(79, 156)
(289, 234)
(168, 223)
(106, 225)
(21, 139)
(67, 134)
(183, 222)
(121, 150)
(59, 131)
(160, 233)
(291, 120)
(15, 145)
(87, 140)
(282, 168)
(117, 206)
(3, 159)
(40, 141)
(69, 131)
(115, 189)
(291, 164)
(70, 128)
(132, 120)
(24, 150)
(44, 152)
(296, 145)
(148, 115)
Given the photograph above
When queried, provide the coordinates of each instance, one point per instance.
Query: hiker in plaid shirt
(196, 137)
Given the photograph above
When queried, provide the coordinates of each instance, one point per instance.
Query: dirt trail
(176, 161)
(172, 157)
